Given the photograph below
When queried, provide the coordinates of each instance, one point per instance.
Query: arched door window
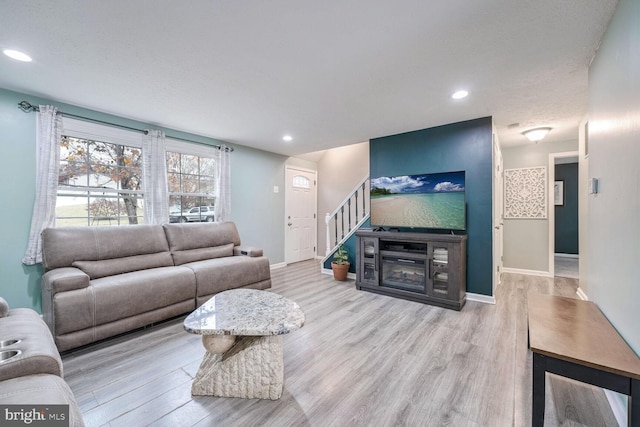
(300, 181)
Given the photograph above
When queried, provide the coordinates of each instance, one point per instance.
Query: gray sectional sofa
(103, 281)
(30, 365)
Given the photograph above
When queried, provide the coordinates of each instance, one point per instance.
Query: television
(431, 201)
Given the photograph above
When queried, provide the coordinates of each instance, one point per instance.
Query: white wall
(526, 241)
(614, 157)
(302, 163)
(339, 171)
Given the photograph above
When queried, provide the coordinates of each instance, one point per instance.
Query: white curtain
(154, 178)
(48, 134)
(223, 170)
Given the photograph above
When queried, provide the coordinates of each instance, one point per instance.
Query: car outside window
(192, 186)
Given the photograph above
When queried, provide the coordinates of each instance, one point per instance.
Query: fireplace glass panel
(404, 273)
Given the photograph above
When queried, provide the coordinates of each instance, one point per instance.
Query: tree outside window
(99, 183)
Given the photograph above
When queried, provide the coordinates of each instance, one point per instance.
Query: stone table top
(245, 312)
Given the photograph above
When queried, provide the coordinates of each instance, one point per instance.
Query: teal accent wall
(459, 146)
(350, 245)
(566, 216)
(257, 211)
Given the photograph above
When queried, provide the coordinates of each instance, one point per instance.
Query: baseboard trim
(575, 256)
(581, 294)
(278, 265)
(486, 299)
(617, 406)
(526, 272)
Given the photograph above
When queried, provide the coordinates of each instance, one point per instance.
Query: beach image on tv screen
(422, 201)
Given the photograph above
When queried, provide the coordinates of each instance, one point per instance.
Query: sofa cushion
(39, 390)
(110, 267)
(117, 297)
(195, 242)
(220, 274)
(63, 245)
(192, 255)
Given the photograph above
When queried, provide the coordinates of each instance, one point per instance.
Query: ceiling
(328, 73)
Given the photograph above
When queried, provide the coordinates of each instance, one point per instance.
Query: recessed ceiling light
(287, 138)
(17, 55)
(460, 94)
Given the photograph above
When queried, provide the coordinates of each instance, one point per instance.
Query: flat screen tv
(433, 201)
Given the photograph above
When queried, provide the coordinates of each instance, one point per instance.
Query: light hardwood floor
(361, 359)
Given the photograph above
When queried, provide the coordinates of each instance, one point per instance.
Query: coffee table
(242, 332)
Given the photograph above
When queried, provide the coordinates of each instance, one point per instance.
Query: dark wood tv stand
(423, 267)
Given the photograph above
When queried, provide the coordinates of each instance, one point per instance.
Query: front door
(300, 214)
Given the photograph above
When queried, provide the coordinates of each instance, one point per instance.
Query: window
(300, 181)
(100, 178)
(192, 182)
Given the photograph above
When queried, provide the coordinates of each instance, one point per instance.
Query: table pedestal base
(252, 369)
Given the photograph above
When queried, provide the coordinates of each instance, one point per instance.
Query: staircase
(343, 222)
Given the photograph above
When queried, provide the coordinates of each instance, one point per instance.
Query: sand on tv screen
(435, 200)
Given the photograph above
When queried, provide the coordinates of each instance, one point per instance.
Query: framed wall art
(525, 193)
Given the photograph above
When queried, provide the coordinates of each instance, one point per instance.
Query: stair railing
(348, 216)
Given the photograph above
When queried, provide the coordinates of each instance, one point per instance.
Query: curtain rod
(29, 108)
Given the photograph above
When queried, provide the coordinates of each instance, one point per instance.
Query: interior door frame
(497, 232)
(287, 196)
(551, 206)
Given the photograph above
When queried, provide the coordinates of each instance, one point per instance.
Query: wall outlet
(276, 189)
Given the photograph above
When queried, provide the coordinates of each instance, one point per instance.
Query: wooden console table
(572, 338)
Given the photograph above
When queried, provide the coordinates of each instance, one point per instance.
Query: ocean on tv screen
(434, 201)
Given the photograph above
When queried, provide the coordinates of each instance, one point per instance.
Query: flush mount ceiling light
(17, 55)
(537, 134)
(460, 94)
(287, 138)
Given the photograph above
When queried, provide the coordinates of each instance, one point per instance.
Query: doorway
(300, 214)
(563, 215)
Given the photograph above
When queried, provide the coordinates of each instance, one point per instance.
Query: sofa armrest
(64, 279)
(59, 280)
(251, 251)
